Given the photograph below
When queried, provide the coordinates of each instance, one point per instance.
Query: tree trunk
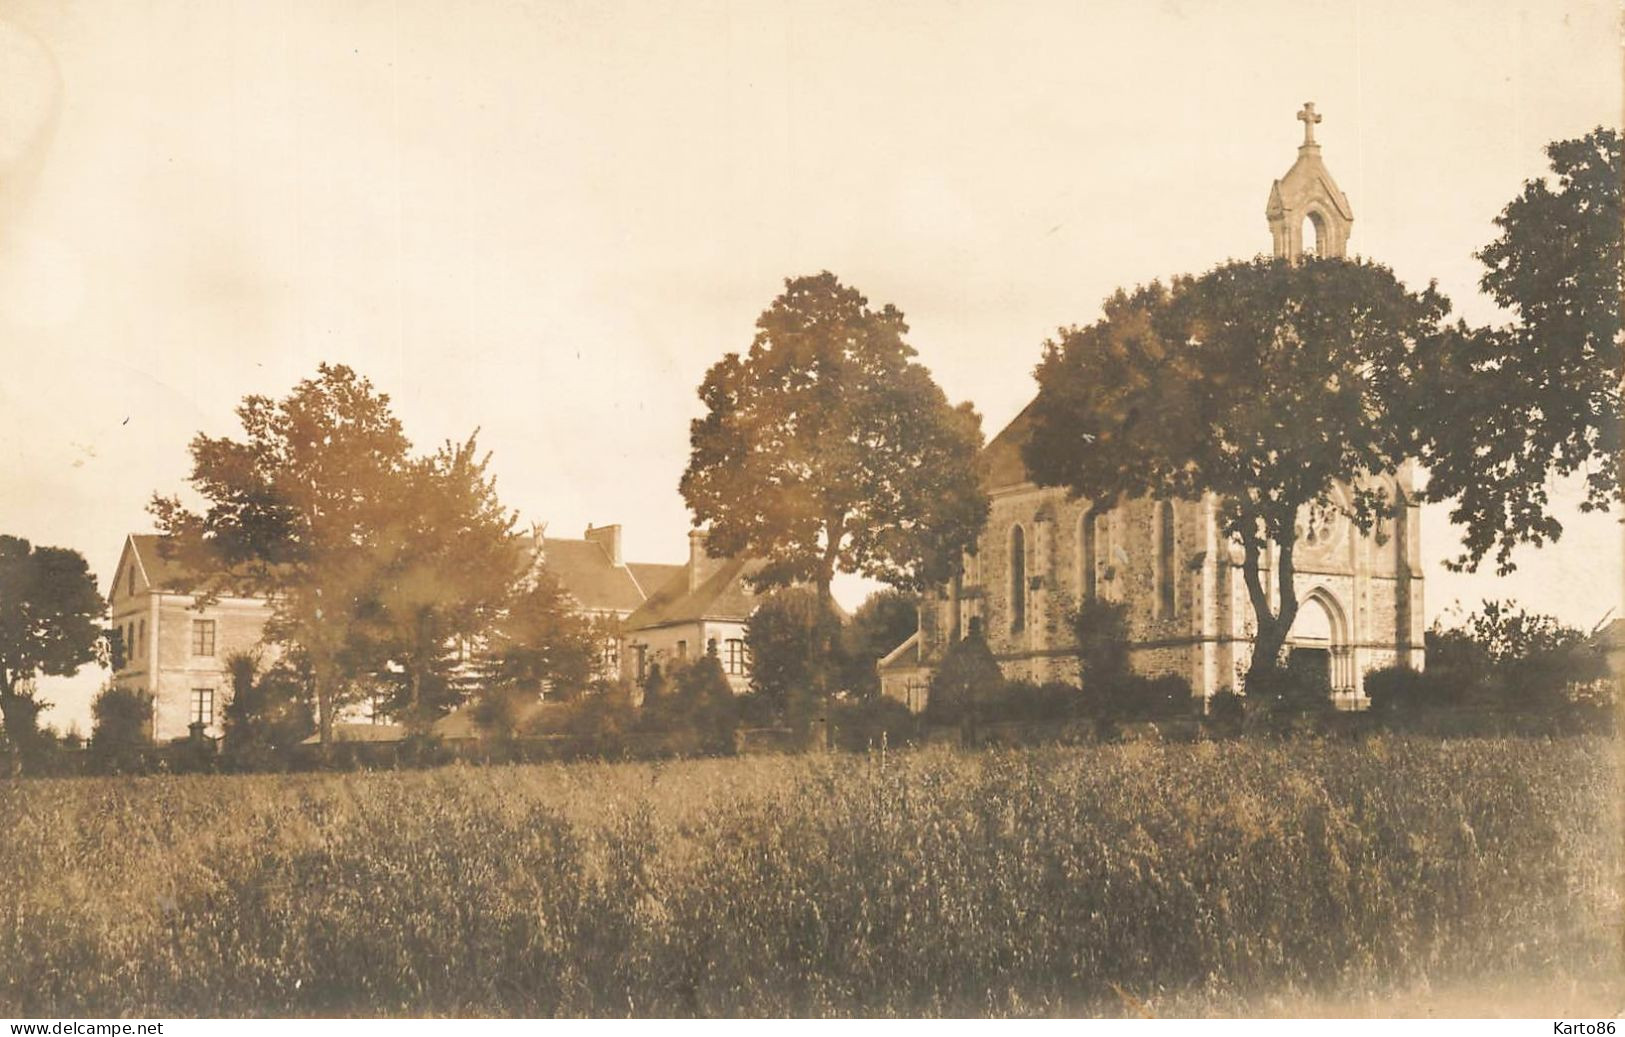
(322, 676)
(1273, 624)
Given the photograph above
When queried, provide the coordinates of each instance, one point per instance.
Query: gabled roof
(160, 572)
(591, 576)
(652, 576)
(1002, 465)
(724, 595)
(905, 656)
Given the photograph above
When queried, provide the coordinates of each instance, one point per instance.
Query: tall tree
(793, 639)
(1268, 384)
(542, 642)
(826, 448)
(1539, 396)
(50, 624)
(299, 511)
(886, 619)
(457, 564)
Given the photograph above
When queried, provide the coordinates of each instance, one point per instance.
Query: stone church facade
(1041, 553)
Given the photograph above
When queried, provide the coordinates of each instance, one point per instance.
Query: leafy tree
(458, 564)
(793, 640)
(826, 449)
(300, 510)
(50, 613)
(1290, 391)
(1539, 396)
(268, 714)
(541, 643)
(1510, 656)
(121, 728)
(885, 620)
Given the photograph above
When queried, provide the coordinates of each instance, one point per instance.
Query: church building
(1189, 614)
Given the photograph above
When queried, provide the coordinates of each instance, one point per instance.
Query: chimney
(700, 563)
(608, 538)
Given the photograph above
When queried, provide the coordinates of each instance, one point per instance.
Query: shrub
(1226, 712)
(1135, 698)
(967, 676)
(757, 711)
(24, 747)
(869, 723)
(601, 719)
(1031, 702)
(1400, 690)
(121, 735)
(1289, 690)
(699, 702)
(707, 704)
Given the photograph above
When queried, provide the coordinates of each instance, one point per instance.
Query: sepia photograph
(811, 509)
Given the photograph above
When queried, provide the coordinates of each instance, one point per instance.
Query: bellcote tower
(1307, 201)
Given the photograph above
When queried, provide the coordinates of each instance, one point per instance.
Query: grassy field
(1234, 878)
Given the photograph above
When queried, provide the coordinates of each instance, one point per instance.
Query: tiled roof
(652, 576)
(162, 573)
(588, 573)
(725, 595)
(362, 731)
(1001, 458)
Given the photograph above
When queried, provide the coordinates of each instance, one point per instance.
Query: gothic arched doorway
(1318, 644)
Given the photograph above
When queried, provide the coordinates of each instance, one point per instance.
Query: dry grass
(1204, 879)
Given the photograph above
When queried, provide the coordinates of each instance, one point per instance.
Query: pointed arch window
(1089, 553)
(1018, 579)
(1167, 599)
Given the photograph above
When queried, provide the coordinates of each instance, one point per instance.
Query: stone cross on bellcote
(1308, 117)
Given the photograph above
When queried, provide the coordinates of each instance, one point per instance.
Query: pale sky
(547, 220)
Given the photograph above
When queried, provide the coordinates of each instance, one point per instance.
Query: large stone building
(1042, 552)
(174, 649)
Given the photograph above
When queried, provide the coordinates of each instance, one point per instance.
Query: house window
(735, 659)
(1167, 600)
(203, 706)
(141, 635)
(132, 581)
(643, 660)
(682, 650)
(612, 655)
(1018, 579)
(202, 637)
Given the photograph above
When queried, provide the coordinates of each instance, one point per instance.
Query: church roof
(724, 595)
(1002, 465)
